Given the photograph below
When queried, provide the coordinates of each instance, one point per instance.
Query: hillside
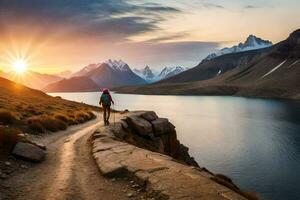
(32, 79)
(217, 66)
(25, 110)
(75, 84)
(273, 74)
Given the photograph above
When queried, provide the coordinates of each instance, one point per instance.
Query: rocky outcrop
(146, 130)
(160, 175)
(29, 152)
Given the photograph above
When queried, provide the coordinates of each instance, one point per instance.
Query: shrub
(91, 114)
(8, 136)
(65, 118)
(35, 125)
(7, 117)
(49, 123)
(81, 116)
(53, 124)
(62, 117)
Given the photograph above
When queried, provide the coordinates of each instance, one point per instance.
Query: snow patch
(219, 72)
(294, 63)
(252, 43)
(117, 65)
(274, 69)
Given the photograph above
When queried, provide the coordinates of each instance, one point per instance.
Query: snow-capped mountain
(151, 76)
(251, 43)
(168, 72)
(111, 73)
(118, 65)
(146, 74)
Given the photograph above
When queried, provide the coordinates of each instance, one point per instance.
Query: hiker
(105, 101)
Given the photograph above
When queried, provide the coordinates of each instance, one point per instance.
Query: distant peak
(118, 65)
(295, 37)
(252, 43)
(147, 67)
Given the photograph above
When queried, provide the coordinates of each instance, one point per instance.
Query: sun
(20, 66)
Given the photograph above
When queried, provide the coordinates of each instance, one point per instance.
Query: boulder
(140, 125)
(149, 116)
(118, 130)
(124, 123)
(40, 145)
(162, 126)
(29, 152)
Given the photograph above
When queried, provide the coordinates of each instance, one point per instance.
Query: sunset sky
(59, 35)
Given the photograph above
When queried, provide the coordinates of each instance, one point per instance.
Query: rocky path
(69, 172)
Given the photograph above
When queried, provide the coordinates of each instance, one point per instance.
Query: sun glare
(19, 66)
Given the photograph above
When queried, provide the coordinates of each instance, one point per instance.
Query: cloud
(212, 5)
(257, 6)
(168, 37)
(105, 18)
(251, 7)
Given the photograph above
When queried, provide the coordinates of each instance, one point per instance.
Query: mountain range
(152, 76)
(251, 43)
(271, 72)
(31, 79)
(111, 73)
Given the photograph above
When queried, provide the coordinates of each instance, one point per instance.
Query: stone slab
(157, 172)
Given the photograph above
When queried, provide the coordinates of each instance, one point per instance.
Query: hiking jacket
(101, 98)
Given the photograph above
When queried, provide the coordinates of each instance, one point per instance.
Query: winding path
(69, 171)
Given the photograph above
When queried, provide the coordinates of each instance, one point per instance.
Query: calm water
(255, 142)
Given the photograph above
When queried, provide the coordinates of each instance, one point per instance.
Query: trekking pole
(114, 114)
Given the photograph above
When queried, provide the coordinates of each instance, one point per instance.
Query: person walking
(105, 101)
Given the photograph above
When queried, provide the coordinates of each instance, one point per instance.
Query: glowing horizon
(56, 37)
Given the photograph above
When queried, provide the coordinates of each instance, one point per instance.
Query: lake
(255, 142)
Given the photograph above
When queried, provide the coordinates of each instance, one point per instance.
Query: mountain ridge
(251, 43)
(108, 74)
(151, 77)
(273, 74)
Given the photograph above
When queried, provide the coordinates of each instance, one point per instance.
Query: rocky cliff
(145, 148)
(148, 131)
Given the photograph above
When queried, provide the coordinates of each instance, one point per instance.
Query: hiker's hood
(105, 90)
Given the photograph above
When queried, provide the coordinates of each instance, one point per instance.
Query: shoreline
(148, 164)
(212, 94)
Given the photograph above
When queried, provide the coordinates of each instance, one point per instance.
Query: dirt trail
(69, 172)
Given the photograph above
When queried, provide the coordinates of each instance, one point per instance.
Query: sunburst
(19, 66)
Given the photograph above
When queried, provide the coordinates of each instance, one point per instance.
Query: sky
(59, 35)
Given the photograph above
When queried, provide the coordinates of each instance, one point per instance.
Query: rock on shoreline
(146, 130)
(153, 157)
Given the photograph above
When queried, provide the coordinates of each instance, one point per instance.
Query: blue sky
(58, 35)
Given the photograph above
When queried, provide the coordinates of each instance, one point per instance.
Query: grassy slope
(24, 110)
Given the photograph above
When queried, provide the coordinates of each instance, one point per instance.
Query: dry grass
(35, 112)
(47, 123)
(24, 110)
(8, 138)
(7, 117)
(36, 126)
